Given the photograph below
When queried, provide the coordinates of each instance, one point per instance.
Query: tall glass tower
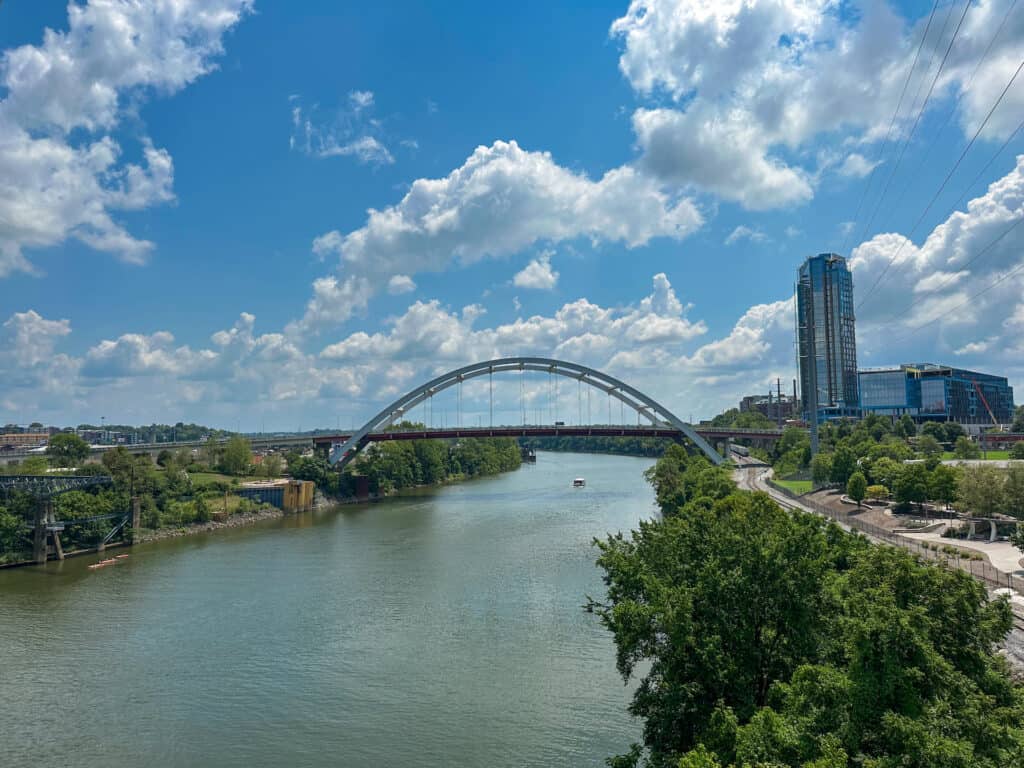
(826, 340)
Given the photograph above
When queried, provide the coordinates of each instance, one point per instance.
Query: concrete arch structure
(646, 406)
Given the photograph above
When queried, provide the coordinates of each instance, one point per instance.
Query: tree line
(393, 465)
(178, 490)
(760, 637)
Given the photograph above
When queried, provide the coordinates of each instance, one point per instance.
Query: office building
(929, 392)
(826, 339)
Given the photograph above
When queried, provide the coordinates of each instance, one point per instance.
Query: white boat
(579, 482)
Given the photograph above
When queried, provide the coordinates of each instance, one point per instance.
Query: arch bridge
(663, 423)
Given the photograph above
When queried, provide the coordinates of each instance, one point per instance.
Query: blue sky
(185, 196)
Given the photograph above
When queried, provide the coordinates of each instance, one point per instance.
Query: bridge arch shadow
(659, 416)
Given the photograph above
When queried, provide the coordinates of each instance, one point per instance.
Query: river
(440, 628)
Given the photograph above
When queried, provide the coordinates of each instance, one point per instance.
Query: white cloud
(502, 200)
(756, 84)
(347, 132)
(63, 172)
(537, 275)
(399, 284)
(361, 100)
(743, 232)
(856, 165)
(947, 284)
(31, 338)
(725, 157)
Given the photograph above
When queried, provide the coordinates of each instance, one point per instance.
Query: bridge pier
(39, 533)
(136, 518)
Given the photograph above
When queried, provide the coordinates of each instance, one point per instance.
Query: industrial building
(826, 339)
(930, 392)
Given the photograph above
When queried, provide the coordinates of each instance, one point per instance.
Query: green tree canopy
(237, 456)
(981, 491)
(67, 449)
(965, 448)
(770, 639)
(857, 487)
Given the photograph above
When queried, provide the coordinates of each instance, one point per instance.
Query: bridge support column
(39, 534)
(136, 518)
(57, 546)
(992, 535)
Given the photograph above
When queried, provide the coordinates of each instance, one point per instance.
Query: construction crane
(977, 388)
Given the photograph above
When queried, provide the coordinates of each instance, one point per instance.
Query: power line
(942, 186)
(966, 301)
(963, 91)
(917, 120)
(967, 264)
(892, 122)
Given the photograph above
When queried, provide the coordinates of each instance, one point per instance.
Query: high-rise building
(826, 340)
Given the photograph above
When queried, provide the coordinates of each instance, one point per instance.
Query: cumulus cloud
(953, 293)
(538, 274)
(652, 343)
(502, 200)
(756, 83)
(743, 232)
(399, 284)
(856, 165)
(348, 131)
(63, 173)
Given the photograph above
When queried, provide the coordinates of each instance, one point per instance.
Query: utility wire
(941, 186)
(892, 122)
(983, 251)
(972, 260)
(945, 312)
(949, 115)
(917, 120)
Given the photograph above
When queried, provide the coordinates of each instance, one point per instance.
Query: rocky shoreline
(234, 521)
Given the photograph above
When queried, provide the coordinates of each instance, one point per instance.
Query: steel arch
(656, 413)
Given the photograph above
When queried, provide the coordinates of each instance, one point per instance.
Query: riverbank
(320, 502)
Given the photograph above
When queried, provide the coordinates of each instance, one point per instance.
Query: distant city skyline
(243, 214)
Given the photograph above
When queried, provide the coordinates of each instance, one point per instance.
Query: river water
(440, 628)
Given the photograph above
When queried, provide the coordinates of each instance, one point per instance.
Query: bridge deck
(454, 433)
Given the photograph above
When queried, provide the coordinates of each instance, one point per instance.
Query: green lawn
(796, 486)
(992, 455)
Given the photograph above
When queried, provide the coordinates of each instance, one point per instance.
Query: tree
(273, 465)
(927, 445)
(237, 456)
(965, 448)
(844, 464)
(821, 469)
(1018, 419)
(856, 487)
(908, 425)
(981, 491)
(885, 471)
(942, 484)
(912, 484)
(952, 431)
(67, 449)
(1017, 452)
(936, 429)
(877, 492)
(164, 458)
(1014, 493)
(765, 638)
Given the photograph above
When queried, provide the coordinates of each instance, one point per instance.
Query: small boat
(120, 557)
(579, 482)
